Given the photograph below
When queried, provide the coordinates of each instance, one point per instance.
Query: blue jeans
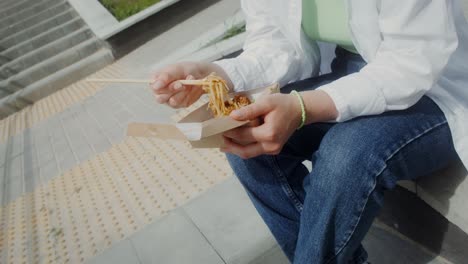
(323, 215)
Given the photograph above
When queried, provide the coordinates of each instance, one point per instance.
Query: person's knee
(344, 168)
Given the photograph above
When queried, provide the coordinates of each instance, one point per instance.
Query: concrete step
(9, 3)
(44, 38)
(4, 94)
(54, 20)
(33, 20)
(4, 59)
(18, 5)
(51, 65)
(54, 82)
(16, 14)
(36, 56)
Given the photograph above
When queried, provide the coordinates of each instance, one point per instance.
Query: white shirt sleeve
(268, 56)
(418, 38)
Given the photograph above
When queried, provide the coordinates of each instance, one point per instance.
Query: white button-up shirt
(412, 47)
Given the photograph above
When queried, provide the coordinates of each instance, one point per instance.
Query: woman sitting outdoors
(394, 107)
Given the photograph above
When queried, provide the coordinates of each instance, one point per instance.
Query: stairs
(44, 46)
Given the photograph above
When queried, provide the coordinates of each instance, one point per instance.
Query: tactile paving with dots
(56, 102)
(101, 201)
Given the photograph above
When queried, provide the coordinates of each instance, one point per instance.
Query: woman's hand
(281, 114)
(168, 91)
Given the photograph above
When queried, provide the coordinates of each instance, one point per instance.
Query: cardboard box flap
(219, 125)
(197, 131)
(192, 131)
(163, 131)
(215, 141)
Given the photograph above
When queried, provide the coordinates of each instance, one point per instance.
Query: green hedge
(122, 9)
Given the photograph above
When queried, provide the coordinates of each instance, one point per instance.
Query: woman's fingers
(251, 112)
(177, 100)
(243, 151)
(184, 95)
(254, 123)
(162, 80)
(165, 81)
(247, 134)
(162, 98)
(239, 137)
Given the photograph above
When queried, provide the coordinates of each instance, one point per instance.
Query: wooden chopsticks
(184, 82)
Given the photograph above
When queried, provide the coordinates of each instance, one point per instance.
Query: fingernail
(158, 85)
(178, 86)
(236, 114)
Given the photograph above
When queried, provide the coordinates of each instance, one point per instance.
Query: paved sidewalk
(75, 189)
(73, 185)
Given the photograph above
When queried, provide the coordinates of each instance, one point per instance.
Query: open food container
(199, 127)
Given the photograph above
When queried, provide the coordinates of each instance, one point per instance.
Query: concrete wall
(104, 24)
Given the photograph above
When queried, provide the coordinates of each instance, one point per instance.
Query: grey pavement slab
(48, 171)
(384, 246)
(66, 160)
(465, 7)
(16, 145)
(123, 116)
(39, 132)
(3, 154)
(30, 165)
(103, 111)
(229, 221)
(45, 150)
(173, 239)
(2, 181)
(93, 133)
(117, 134)
(15, 169)
(122, 252)
(13, 190)
(14, 181)
(274, 256)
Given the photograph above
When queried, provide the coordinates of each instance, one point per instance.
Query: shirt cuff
(354, 97)
(338, 100)
(228, 65)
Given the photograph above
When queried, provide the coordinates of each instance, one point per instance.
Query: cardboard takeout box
(199, 127)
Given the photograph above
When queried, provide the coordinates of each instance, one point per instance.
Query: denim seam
(285, 185)
(374, 184)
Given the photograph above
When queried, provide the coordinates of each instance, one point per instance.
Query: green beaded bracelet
(301, 102)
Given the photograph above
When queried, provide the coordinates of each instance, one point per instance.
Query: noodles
(219, 101)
